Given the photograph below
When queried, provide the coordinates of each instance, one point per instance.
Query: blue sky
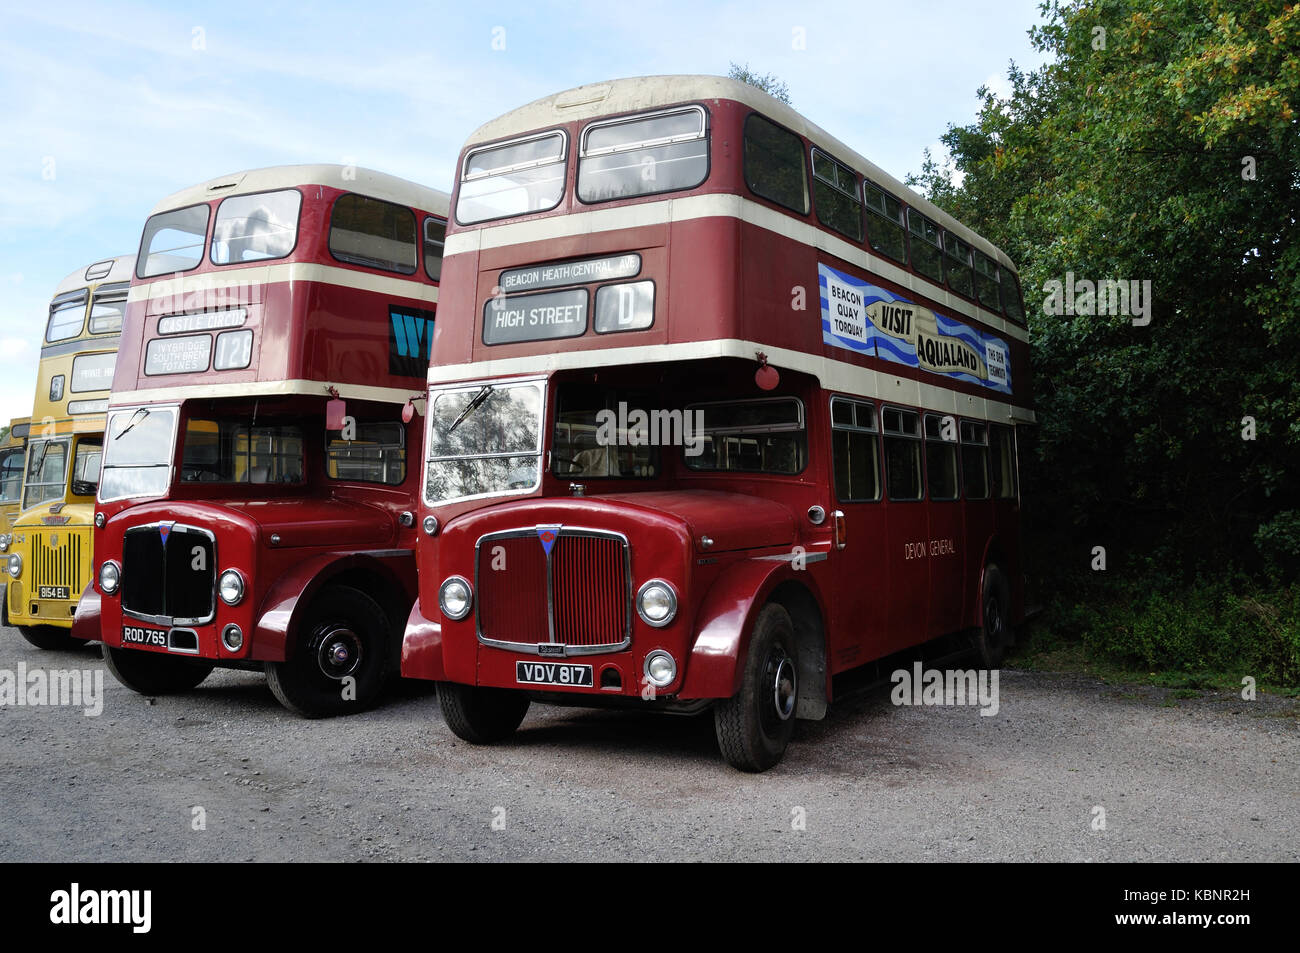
(127, 102)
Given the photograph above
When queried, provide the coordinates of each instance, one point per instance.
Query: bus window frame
(803, 165)
(297, 231)
(978, 427)
(563, 160)
(111, 291)
(973, 297)
(68, 298)
(996, 277)
(868, 211)
(800, 426)
(131, 410)
(143, 256)
(919, 439)
(855, 196)
(954, 445)
(424, 241)
(417, 238)
(706, 135)
(328, 450)
(856, 428)
(941, 281)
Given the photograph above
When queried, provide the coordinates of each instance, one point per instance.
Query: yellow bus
(49, 554)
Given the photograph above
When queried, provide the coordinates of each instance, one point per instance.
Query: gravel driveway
(1212, 778)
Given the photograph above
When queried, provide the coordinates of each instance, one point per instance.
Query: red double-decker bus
(718, 410)
(260, 474)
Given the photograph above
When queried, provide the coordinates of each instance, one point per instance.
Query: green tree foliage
(1160, 142)
(767, 82)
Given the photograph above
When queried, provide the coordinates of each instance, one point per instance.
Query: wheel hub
(339, 652)
(784, 691)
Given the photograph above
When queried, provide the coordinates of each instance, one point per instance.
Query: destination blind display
(555, 274)
(535, 317)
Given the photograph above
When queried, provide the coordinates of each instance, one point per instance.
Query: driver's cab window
(85, 467)
(605, 434)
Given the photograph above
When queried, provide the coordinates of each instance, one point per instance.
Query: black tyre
(340, 661)
(755, 725)
(152, 674)
(481, 716)
(994, 632)
(49, 637)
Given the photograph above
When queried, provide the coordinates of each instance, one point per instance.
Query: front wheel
(481, 716)
(152, 674)
(340, 662)
(754, 726)
(49, 637)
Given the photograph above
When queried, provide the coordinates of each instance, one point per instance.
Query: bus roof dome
(378, 185)
(617, 96)
(99, 272)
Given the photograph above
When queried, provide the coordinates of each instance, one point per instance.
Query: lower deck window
(902, 437)
(756, 436)
(237, 451)
(376, 453)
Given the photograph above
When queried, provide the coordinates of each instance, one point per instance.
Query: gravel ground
(1212, 778)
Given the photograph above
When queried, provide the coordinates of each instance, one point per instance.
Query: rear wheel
(339, 663)
(994, 631)
(481, 716)
(152, 674)
(49, 637)
(754, 726)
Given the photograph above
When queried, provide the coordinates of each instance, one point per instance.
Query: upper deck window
(986, 282)
(927, 254)
(514, 178)
(172, 241)
(374, 233)
(774, 164)
(957, 263)
(435, 239)
(106, 307)
(67, 314)
(835, 192)
(1011, 297)
(885, 223)
(256, 227)
(642, 155)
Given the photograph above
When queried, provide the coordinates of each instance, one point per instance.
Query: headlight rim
(243, 586)
(99, 577)
(469, 598)
(13, 560)
(645, 668)
(672, 595)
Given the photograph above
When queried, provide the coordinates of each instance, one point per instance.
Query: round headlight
(656, 603)
(430, 525)
(109, 577)
(15, 565)
(455, 598)
(660, 669)
(99, 520)
(4, 542)
(231, 587)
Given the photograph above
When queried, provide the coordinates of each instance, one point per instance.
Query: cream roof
(651, 92)
(120, 270)
(379, 185)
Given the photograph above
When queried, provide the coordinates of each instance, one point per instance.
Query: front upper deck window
(484, 440)
(67, 314)
(138, 453)
(172, 241)
(374, 233)
(642, 155)
(513, 178)
(106, 308)
(758, 436)
(774, 164)
(255, 227)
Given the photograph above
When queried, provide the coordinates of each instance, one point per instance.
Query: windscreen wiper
(472, 406)
(132, 422)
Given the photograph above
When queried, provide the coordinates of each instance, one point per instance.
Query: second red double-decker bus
(718, 410)
(260, 474)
